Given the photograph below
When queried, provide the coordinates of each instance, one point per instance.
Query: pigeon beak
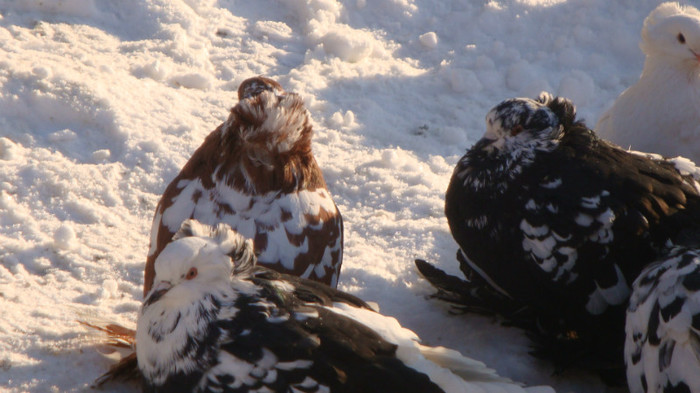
(490, 135)
(162, 287)
(158, 290)
(490, 141)
(485, 144)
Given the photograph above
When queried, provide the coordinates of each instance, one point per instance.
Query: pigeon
(256, 172)
(554, 224)
(662, 340)
(661, 112)
(215, 321)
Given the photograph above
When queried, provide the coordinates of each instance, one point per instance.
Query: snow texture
(101, 103)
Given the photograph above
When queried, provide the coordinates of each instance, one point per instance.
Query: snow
(101, 103)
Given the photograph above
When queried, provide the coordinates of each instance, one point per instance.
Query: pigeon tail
(551, 340)
(473, 295)
(120, 338)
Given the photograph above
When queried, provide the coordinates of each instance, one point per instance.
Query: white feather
(449, 369)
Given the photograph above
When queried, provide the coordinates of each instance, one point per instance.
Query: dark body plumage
(343, 355)
(255, 330)
(554, 224)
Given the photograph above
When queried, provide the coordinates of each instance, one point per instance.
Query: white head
(673, 31)
(199, 258)
(193, 278)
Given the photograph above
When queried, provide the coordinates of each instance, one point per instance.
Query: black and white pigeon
(216, 322)
(554, 224)
(662, 346)
(661, 111)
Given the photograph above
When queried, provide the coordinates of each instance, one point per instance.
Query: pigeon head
(673, 31)
(252, 87)
(517, 123)
(269, 121)
(266, 139)
(199, 258)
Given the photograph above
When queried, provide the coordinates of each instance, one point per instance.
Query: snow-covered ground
(102, 102)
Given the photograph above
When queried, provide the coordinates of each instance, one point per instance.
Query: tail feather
(117, 335)
(477, 375)
(474, 295)
(450, 288)
(551, 338)
(467, 368)
(127, 369)
(122, 340)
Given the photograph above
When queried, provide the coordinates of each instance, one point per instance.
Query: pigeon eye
(681, 38)
(517, 129)
(192, 273)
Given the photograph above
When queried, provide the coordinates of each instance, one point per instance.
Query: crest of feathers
(267, 140)
(240, 249)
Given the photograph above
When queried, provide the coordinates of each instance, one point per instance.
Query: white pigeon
(661, 112)
(214, 322)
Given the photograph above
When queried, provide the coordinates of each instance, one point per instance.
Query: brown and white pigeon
(554, 224)
(216, 322)
(256, 172)
(661, 112)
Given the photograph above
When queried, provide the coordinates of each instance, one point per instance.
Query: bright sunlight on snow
(102, 102)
